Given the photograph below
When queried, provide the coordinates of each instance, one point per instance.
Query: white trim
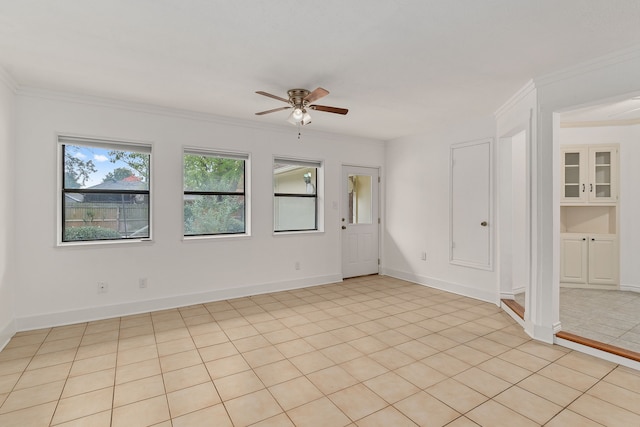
(512, 313)
(144, 306)
(601, 62)
(181, 113)
(515, 99)
(630, 288)
(6, 333)
(600, 123)
(455, 288)
(597, 353)
(542, 333)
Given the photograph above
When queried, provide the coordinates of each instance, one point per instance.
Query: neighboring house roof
(74, 197)
(124, 184)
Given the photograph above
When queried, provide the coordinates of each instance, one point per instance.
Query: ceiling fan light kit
(302, 100)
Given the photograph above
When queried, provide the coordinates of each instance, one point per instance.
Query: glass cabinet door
(602, 181)
(573, 188)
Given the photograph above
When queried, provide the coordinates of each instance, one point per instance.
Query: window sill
(289, 233)
(98, 243)
(215, 237)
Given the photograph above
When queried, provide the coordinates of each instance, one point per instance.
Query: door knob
(344, 227)
(483, 223)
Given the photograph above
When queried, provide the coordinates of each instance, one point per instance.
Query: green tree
(76, 170)
(118, 174)
(139, 162)
(206, 173)
(218, 213)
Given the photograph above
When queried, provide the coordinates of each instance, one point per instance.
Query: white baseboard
(455, 288)
(632, 288)
(124, 309)
(512, 313)
(598, 353)
(6, 332)
(519, 290)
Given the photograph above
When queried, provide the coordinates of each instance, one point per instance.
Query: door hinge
(378, 180)
(378, 220)
(378, 261)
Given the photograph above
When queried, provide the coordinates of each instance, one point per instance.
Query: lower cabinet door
(603, 260)
(573, 262)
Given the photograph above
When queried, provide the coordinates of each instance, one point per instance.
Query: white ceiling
(401, 67)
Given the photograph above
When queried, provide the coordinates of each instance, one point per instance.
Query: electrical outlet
(142, 282)
(297, 265)
(103, 287)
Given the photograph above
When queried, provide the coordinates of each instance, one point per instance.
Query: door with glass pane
(359, 221)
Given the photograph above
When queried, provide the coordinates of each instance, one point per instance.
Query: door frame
(380, 214)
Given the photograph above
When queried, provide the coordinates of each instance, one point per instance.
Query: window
(105, 190)
(214, 193)
(295, 205)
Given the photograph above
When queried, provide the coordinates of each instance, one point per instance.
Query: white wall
(58, 285)
(7, 203)
(629, 139)
(417, 211)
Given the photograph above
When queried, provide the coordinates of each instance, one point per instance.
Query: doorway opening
(514, 213)
(599, 283)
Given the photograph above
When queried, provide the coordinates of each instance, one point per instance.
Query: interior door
(471, 204)
(359, 221)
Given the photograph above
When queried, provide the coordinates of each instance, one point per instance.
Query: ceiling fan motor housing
(296, 97)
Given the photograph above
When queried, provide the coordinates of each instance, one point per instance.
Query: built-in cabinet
(589, 217)
(590, 174)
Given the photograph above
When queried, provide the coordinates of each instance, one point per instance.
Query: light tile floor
(372, 351)
(608, 316)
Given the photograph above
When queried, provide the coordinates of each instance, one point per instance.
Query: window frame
(63, 140)
(246, 158)
(317, 196)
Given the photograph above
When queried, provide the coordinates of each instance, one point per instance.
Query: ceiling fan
(302, 100)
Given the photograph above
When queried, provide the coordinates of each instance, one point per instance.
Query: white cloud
(80, 155)
(100, 158)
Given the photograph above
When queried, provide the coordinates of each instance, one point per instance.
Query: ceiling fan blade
(327, 109)
(316, 94)
(272, 111)
(272, 96)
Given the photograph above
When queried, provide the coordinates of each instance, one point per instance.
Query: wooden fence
(124, 218)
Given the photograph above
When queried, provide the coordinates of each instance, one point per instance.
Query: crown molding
(600, 123)
(54, 95)
(591, 65)
(515, 98)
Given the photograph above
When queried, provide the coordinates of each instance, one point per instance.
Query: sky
(100, 158)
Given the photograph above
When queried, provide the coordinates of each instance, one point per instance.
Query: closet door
(470, 204)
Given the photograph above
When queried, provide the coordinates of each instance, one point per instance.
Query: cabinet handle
(590, 188)
(593, 240)
(583, 188)
(584, 238)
